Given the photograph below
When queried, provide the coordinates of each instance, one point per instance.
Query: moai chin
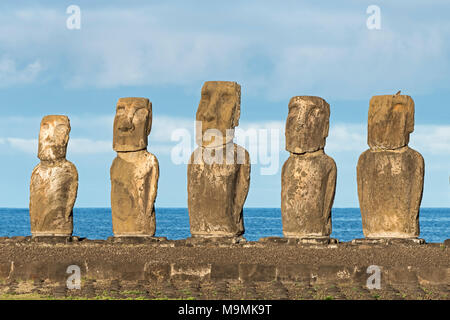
(390, 174)
(219, 170)
(54, 181)
(134, 172)
(308, 178)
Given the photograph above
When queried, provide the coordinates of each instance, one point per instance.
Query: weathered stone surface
(390, 174)
(219, 170)
(391, 120)
(227, 271)
(218, 111)
(367, 242)
(217, 241)
(307, 124)
(132, 124)
(427, 264)
(434, 276)
(137, 240)
(401, 276)
(53, 239)
(309, 175)
(54, 181)
(275, 240)
(190, 272)
(157, 272)
(308, 185)
(295, 272)
(134, 172)
(216, 196)
(390, 185)
(253, 272)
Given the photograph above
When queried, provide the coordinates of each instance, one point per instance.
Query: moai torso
(134, 172)
(390, 174)
(54, 181)
(218, 187)
(216, 195)
(308, 178)
(307, 191)
(132, 193)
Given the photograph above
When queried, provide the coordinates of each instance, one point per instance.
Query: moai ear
(407, 105)
(237, 115)
(326, 127)
(150, 117)
(237, 110)
(66, 138)
(410, 116)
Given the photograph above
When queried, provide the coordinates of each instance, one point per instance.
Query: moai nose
(301, 119)
(210, 112)
(48, 134)
(126, 124)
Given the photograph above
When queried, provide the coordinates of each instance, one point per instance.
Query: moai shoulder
(309, 175)
(136, 164)
(135, 171)
(390, 174)
(219, 170)
(54, 181)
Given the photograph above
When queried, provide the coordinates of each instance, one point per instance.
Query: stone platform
(161, 268)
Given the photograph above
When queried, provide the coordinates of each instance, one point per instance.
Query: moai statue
(308, 178)
(219, 170)
(134, 172)
(390, 174)
(54, 181)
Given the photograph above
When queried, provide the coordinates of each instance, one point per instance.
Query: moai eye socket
(399, 107)
(226, 97)
(61, 128)
(141, 113)
(316, 112)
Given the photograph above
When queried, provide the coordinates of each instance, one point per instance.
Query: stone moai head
(53, 137)
(307, 124)
(391, 120)
(132, 124)
(219, 109)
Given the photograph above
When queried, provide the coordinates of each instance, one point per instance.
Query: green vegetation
(103, 296)
(133, 292)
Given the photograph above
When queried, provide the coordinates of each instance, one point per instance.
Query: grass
(133, 292)
(27, 296)
(103, 296)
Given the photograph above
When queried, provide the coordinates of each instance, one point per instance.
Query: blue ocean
(173, 223)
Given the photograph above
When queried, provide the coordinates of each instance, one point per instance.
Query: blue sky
(165, 50)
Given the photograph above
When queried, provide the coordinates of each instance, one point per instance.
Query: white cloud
(76, 145)
(10, 74)
(343, 137)
(163, 126)
(24, 145)
(432, 139)
(274, 51)
(88, 146)
(427, 139)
